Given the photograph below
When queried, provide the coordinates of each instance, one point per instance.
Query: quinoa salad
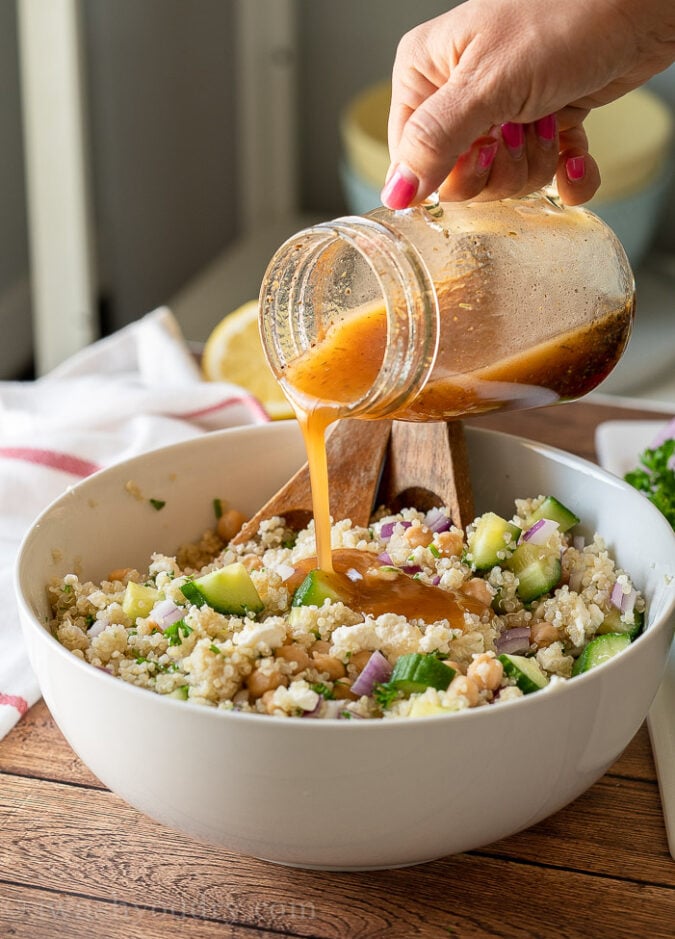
(255, 628)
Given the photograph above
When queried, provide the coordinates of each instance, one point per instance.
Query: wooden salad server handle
(355, 451)
(428, 465)
(382, 462)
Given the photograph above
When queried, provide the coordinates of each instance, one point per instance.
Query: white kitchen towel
(130, 392)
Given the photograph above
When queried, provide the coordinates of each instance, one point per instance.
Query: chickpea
(259, 681)
(229, 524)
(543, 634)
(120, 573)
(320, 646)
(294, 654)
(450, 543)
(360, 659)
(418, 535)
(465, 687)
(478, 589)
(329, 664)
(342, 690)
(486, 671)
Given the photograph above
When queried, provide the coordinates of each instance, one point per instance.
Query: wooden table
(77, 861)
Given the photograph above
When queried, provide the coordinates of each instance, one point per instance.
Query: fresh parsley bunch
(655, 476)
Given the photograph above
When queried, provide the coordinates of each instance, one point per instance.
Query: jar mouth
(348, 268)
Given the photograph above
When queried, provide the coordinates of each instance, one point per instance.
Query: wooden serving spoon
(371, 463)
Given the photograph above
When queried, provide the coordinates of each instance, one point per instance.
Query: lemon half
(234, 353)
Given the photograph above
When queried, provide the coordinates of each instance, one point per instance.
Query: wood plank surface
(75, 860)
(102, 849)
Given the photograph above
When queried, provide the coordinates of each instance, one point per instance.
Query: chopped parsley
(434, 550)
(214, 648)
(177, 632)
(655, 477)
(157, 504)
(385, 695)
(323, 690)
(218, 508)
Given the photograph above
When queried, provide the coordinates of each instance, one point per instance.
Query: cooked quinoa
(303, 660)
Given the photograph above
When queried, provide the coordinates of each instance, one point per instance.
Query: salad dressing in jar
(442, 311)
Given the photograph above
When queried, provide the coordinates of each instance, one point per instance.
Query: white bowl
(338, 794)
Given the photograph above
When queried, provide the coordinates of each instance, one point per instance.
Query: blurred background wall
(162, 98)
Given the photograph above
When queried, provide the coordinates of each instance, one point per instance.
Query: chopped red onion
(385, 557)
(616, 596)
(387, 528)
(314, 713)
(377, 671)
(515, 640)
(97, 628)
(437, 521)
(624, 602)
(353, 574)
(412, 569)
(166, 613)
(436, 580)
(332, 709)
(541, 531)
(326, 708)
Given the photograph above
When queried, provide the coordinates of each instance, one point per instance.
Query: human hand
(489, 99)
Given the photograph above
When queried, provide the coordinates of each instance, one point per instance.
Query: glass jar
(446, 310)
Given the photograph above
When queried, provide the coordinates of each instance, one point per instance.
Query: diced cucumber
(417, 672)
(613, 623)
(537, 568)
(600, 650)
(315, 589)
(227, 590)
(556, 511)
(491, 541)
(526, 672)
(139, 600)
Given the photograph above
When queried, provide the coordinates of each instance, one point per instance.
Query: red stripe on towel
(51, 458)
(14, 701)
(250, 402)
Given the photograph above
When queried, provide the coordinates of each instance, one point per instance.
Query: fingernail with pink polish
(400, 189)
(485, 157)
(513, 136)
(575, 168)
(546, 128)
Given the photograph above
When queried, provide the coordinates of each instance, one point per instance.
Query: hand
(489, 99)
